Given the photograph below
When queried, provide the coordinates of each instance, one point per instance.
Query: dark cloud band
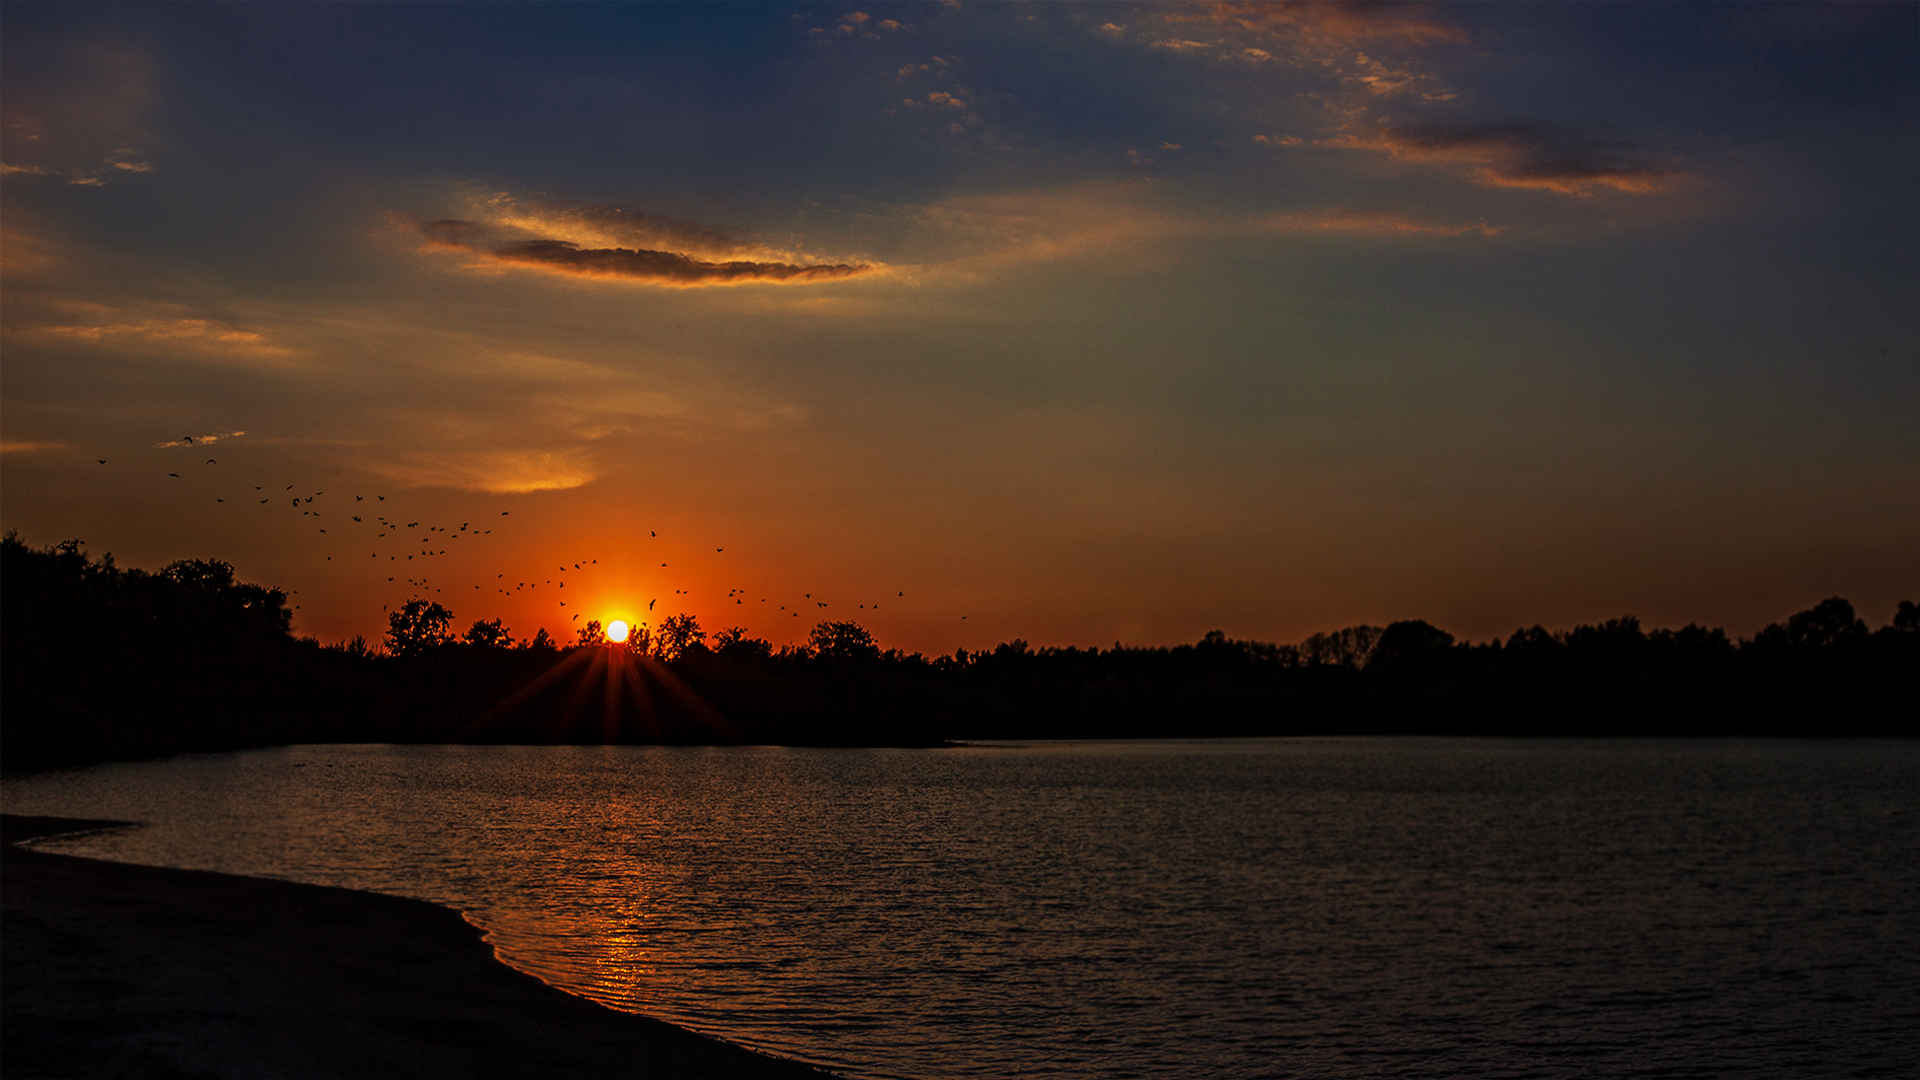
(1520, 154)
(663, 267)
(629, 264)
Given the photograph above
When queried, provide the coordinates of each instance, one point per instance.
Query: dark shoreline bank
(115, 969)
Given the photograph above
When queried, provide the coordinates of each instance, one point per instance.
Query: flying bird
(210, 461)
(103, 461)
(175, 475)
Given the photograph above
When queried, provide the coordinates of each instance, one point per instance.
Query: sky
(1074, 323)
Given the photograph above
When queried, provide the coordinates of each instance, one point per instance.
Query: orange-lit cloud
(1382, 222)
(1517, 154)
(198, 440)
(1333, 24)
(661, 267)
(593, 242)
(503, 472)
(85, 123)
(172, 331)
(600, 226)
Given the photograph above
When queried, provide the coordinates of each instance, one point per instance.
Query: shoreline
(129, 970)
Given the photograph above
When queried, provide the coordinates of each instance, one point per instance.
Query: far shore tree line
(103, 663)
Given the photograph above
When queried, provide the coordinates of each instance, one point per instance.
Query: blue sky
(1077, 323)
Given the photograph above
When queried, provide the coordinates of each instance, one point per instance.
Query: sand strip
(110, 969)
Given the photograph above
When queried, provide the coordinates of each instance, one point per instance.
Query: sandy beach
(112, 969)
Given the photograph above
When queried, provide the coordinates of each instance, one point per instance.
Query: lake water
(1267, 908)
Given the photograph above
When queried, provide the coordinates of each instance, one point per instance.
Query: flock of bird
(373, 522)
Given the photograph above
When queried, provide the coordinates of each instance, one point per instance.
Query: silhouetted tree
(1829, 623)
(1409, 643)
(849, 640)
(1350, 647)
(678, 635)
(734, 643)
(1907, 619)
(418, 626)
(591, 634)
(489, 634)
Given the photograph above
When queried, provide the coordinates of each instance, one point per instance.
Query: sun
(616, 631)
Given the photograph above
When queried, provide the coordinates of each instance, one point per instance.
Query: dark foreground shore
(109, 969)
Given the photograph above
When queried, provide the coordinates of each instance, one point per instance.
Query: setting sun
(616, 631)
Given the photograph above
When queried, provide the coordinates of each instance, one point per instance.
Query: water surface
(1359, 907)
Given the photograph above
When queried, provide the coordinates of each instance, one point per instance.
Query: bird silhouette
(103, 461)
(210, 461)
(175, 475)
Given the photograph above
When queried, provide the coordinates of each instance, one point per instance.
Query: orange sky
(1078, 325)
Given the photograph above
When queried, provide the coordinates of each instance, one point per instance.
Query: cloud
(1381, 222)
(617, 243)
(198, 440)
(597, 226)
(171, 331)
(1334, 24)
(1518, 154)
(662, 267)
(502, 472)
(81, 119)
(20, 446)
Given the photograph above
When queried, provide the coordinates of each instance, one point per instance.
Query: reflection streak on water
(1331, 907)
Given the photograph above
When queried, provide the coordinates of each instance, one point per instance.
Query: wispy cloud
(168, 330)
(1519, 154)
(83, 124)
(198, 440)
(1333, 24)
(506, 472)
(23, 446)
(1381, 222)
(618, 243)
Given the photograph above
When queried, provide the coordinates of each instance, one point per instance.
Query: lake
(1259, 908)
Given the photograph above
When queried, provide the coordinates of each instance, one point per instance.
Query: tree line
(103, 663)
